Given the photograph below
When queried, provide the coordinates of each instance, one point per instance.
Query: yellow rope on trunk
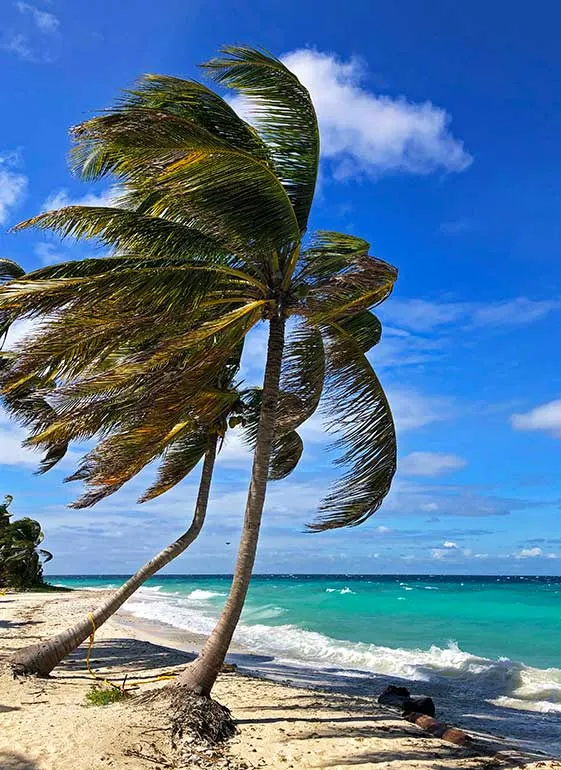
(108, 682)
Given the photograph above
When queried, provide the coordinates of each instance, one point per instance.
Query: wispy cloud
(17, 44)
(363, 133)
(423, 316)
(58, 199)
(13, 184)
(430, 463)
(35, 42)
(45, 21)
(546, 417)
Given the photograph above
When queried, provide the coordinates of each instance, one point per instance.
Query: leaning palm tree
(210, 238)
(240, 409)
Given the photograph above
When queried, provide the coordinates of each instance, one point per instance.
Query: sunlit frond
(179, 459)
(283, 114)
(340, 278)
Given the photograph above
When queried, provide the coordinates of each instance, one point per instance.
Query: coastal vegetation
(208, 239)
(21, 559)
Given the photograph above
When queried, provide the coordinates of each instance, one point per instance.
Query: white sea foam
(489, 683)
(199, 595)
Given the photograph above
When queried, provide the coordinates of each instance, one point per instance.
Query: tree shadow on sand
(463, 703)
(12, 761)
(125, 656)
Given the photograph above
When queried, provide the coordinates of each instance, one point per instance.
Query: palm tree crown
(208, 239)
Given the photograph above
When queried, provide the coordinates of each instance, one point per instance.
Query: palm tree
(21, 559)
(243, 410)
(210, 238)
(42, 658)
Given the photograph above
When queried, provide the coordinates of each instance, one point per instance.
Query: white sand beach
(48, 724)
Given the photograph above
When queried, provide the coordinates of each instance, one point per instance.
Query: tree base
(194, 716)
(30, 662)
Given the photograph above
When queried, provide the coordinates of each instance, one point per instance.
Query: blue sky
(440, 131)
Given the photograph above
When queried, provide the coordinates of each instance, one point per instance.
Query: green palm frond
(365, 327)
(232, 195)
(129, 232)
(157, 289)
(193, 101)
(284, 116)
(179, 459)
(287, 450)
(303, 370)
(367, 282)
(330, 253)
(9, 270)
(341, 278)
(356, 408)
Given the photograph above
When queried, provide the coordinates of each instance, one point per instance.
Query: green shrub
(103, 696)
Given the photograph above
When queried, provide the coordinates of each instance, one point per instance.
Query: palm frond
(303, 372)
(284, 116)
(286, 453)
(233, 195)
(341, 278)
(365, 327)
(179, 460)
(356, 408)
(190, 100)
(9, 270)
(129, 232)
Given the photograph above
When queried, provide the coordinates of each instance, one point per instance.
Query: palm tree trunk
(200, 676)
(41, 658)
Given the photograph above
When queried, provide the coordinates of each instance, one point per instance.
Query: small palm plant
(209, 239)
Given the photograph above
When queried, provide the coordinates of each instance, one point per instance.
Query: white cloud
(424, 316)
(11, 450)
(44, 21)
(365, 133)
(449, 544)
(438, 553)
(546, 417)
(381, 530)
(412, 410)
(529, 553)
(430, 463)
(13, 185)
(61, 198)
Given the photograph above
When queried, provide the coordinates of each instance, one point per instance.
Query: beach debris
(401, 698)
(394, 696)
(440, 729)
(420, 704)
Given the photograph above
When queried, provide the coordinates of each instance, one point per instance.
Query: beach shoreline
(280, 725)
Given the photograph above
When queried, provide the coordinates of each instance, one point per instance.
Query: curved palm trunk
(200, 676)
(41, 658)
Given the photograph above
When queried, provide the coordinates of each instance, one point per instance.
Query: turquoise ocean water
(490, 641)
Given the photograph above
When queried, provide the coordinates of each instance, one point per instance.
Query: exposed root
(202, 718)
(199, 727)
